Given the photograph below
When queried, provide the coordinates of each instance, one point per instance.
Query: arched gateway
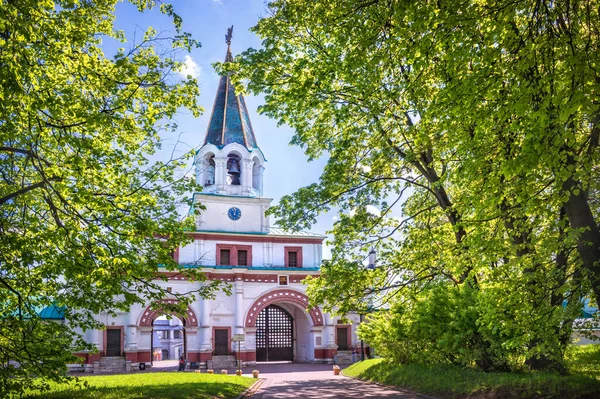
(284, 326)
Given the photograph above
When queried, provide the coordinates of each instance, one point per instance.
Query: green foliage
(149, 385)
(455, 382)
(86, 217)
(463, 146)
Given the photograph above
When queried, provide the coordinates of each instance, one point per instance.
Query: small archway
(208, 170)
(175, 328)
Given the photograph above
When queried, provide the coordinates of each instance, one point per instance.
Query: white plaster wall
(215, 216)
(262, 255)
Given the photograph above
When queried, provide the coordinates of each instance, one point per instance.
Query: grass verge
(150, 385)
(447, 381)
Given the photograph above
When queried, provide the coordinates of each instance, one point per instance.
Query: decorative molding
(282, 295)
(148, 316)
(256, 238)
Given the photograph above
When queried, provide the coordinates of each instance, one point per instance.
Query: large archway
(281, 326)
(282, 295)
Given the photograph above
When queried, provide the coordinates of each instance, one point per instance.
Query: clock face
(234, 213)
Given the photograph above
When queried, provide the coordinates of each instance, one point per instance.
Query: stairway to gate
(110, 365)
(222, 362)
(344, 357)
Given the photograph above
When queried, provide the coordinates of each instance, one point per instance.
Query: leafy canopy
(86, 217)
(472, 128)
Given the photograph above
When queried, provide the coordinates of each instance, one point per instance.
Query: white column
(131, 330)
(239, 310)
(260, 186)
(246, 175)
(220, 172)
(199, 163)
(206, 329)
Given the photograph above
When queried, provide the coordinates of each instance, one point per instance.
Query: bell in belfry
(234, 172)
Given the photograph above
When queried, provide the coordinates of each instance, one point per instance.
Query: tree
(479, 121)
(86, 218)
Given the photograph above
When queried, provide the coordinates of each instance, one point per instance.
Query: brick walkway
(314, 381)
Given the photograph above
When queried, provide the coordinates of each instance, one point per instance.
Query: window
(293, 256)
(224, 259)
(176, 334)
(292, 259)
(234, 255)
(242, 257)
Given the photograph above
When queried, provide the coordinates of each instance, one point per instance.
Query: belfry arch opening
(209, 170)
(168, 341)
(234, 169)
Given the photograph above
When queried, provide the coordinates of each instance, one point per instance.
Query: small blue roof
(53, 312)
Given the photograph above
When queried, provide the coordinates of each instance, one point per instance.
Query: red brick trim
(148, 316)
(193, 356)
(348, 334)
(94, 357)
(83, 356)
(121, 349)
(228, 338)
(131, 356)
(298, 251)
(249, 356)
(254, 238)
(251, 277)
(176, 255)
(233, 256)
(282, 295)
(321, 354)
(204, 356)
(144, 357)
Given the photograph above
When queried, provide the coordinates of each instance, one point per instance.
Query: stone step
(222, 362)
(110, 364)
(344, 357)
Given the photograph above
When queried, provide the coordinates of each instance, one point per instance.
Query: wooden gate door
(221, 342)
(113, 342)
(274, 335)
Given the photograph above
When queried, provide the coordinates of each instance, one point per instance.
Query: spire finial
(228, 37)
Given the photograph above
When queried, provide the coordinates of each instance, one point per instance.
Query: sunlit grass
(455, 382)
(150, 385)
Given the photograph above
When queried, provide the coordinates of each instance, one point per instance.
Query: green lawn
(151, 385)
(453, 382)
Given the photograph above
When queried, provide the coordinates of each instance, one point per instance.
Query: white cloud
(189, 67)
(364, 168)
(372, 210)
(334, 219)
(352, 212)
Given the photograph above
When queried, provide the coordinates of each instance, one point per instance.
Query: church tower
(231, 164)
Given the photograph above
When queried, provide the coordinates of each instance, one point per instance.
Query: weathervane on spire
(229, 35)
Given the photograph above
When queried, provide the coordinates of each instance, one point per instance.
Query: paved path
(314, 381)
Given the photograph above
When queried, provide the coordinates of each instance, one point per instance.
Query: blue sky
(287, 168)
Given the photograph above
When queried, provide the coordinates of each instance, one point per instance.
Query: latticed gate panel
(274, 335)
